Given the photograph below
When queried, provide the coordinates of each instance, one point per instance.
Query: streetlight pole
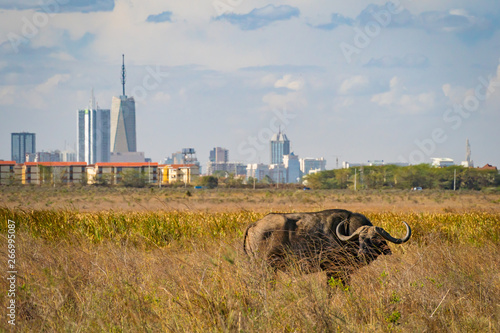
(355, 178)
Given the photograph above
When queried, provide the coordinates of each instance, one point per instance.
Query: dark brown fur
(312, 242)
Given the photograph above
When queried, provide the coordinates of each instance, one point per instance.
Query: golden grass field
(125, 260)
(95, 199)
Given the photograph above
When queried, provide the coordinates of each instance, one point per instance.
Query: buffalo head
(372, 240)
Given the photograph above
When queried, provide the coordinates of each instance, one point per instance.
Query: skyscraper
(123, 135)
(219, 155)
(93, 134)
(22, 143)
(467, 153)
(292, 166)
(280, 145)
(468, 163)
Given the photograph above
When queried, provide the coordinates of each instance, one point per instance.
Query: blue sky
(370, 80)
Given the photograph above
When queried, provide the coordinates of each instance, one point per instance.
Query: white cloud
(261, 17)
(63, 56)
(403, 102)
(162, 97)
(291, 101)
(218, 69)
(287, 81)
(487, 89)
(343, 102)
(494, 82)
(493, 93)
(19, 96)
(7, 95)
(406, 61)
(52, 83)
(455, 94)
(354, 84)
(268, 80)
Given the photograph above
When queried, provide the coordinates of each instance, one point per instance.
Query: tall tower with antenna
(468, 163)
(123, 75)
(123, 133)
(280, 145)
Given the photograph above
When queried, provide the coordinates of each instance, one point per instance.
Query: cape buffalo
(336, 241)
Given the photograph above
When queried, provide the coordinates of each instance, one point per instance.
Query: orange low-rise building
(115, 173)
(51, 173)
(179, 173)
(7, 172)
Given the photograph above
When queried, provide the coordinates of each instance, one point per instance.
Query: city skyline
(414, 87)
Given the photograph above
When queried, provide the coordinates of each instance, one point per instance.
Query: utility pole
(454, 180)
(355, 178)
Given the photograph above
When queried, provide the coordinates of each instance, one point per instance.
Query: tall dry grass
(185, 272)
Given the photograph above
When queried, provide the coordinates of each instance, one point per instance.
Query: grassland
(163, 260)
(95, 199)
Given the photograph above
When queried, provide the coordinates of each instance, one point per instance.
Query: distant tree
(267, 180)
(133, 178)
(233, 181)
(252, 180)
(84, 179)
(475, 179)
(321, 180)
(105, 179)
(220, 174)
(422, 175)
(342, 178)
(208, 181)
(44, 174)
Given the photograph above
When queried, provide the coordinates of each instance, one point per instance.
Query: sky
(400, 81)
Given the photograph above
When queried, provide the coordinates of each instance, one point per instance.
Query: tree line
(397, 177)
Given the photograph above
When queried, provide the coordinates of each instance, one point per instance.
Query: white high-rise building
(292, 166)
(308, 164)
(93, 134)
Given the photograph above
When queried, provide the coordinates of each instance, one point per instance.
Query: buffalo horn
(387, 236)
(345, 238)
